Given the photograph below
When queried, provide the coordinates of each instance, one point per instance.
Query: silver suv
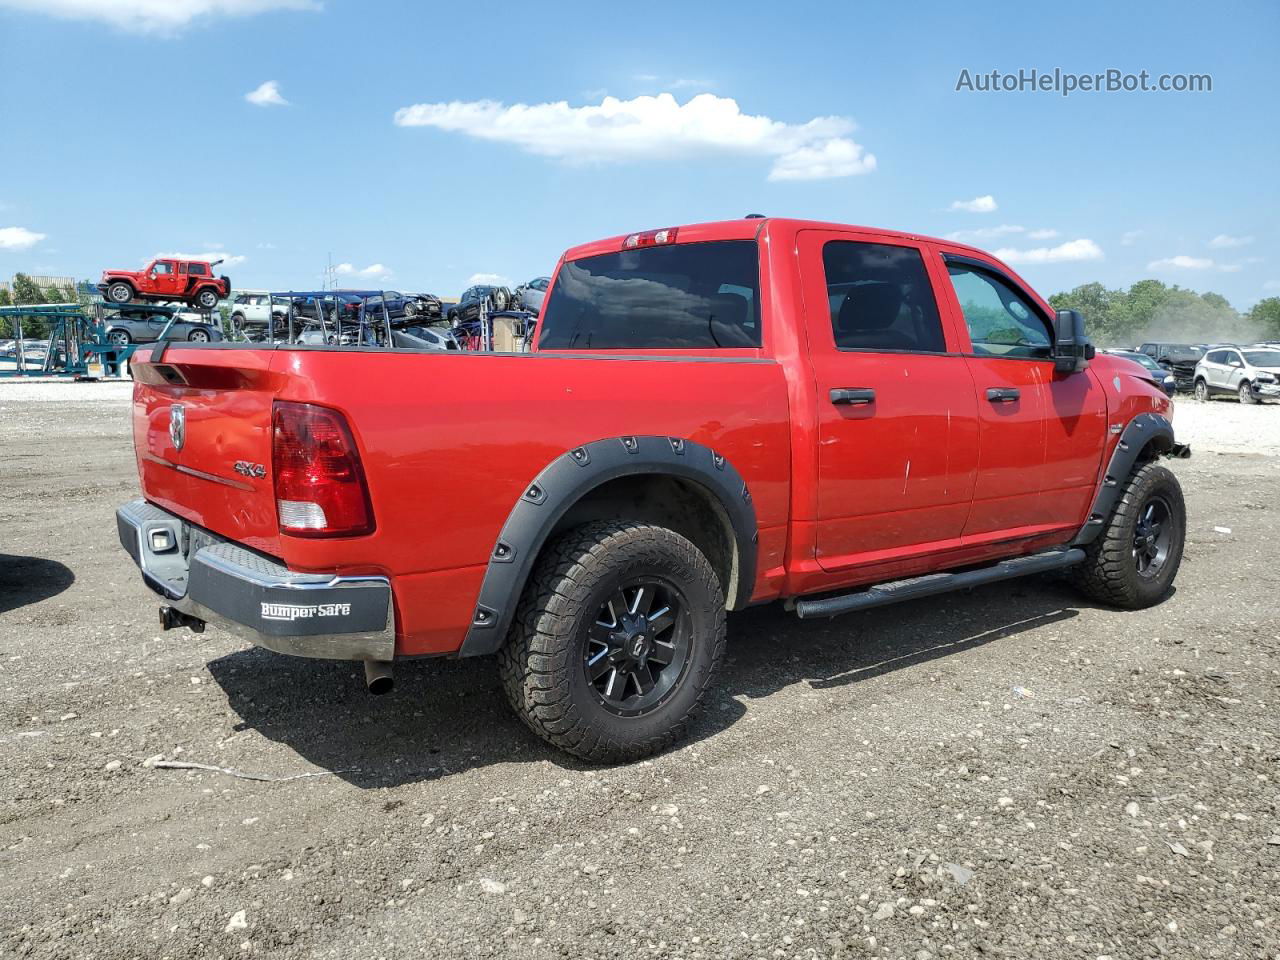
(1251, 373)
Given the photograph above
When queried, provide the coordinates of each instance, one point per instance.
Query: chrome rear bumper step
(899, 590)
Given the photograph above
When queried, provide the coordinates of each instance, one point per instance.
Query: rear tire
(1246, 393)
(588, 677)
(1202, 391)
(198, 336)
(206, 299)
(1133, 561)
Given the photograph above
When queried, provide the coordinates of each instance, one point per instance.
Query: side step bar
(926, 586)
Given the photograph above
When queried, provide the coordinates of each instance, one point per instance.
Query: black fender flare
(1141, 431)
(569, 478)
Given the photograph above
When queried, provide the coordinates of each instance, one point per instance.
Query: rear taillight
(319, 483)
(650, 238)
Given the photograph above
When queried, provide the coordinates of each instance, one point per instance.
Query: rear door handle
(853, 396)
(1003, 394)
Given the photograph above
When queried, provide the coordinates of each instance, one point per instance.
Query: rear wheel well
(681, 505)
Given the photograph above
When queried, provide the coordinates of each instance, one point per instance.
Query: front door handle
(1003, 394)
(853, 396)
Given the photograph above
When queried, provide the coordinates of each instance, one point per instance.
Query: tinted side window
(1002, 323)
(199, 269)
(1216, 356)
(679, 296)
(880, 298)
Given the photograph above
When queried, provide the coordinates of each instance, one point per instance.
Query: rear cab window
(681, 296)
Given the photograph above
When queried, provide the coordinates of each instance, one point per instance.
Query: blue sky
(128, 133)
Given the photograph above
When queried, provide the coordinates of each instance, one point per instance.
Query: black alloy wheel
(638, 646)
(1152, 535)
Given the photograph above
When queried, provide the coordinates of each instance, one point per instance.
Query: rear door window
(880, 298)
(678, 296)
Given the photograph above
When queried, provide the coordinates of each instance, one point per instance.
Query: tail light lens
(319, 482)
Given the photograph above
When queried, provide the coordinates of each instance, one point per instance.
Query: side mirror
(1072, 350)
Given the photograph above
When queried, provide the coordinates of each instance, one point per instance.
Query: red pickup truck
(713, 416)
(167, 280)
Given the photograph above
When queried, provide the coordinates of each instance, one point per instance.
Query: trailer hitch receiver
(172, 618)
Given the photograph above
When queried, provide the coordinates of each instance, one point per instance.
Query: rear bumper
(266, 603)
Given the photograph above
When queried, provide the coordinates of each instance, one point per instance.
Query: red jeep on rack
(714, 416)
(167, 280)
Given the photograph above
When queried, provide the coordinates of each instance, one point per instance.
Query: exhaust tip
(377, 677)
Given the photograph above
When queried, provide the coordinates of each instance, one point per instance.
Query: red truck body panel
(934, 476)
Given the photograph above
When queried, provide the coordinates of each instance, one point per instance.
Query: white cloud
(154, 16)
(647, 128)
(984, 204)
(1071, 251)
(267, 94)
(18, 238)
(1128, 238)
(228, 259)
(987, 233)
(374, 270)
(1224, 241)
(1181, 262)
(488, 280)
(1184, 262)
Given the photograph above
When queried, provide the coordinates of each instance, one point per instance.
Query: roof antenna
(754, 216)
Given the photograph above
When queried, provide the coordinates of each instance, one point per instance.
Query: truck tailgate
(202, 436)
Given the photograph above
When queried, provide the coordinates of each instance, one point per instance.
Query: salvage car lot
(1003, 772)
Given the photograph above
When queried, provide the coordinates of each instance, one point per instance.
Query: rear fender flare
(569, 478)
(1145, 434)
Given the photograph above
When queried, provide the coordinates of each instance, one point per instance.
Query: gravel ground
(1008, 772)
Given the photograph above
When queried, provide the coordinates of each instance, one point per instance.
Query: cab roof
(748, 228)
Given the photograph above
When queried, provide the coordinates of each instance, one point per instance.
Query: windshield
(1262, 358)
(676, 296)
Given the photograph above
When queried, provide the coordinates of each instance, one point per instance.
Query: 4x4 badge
(247, 469)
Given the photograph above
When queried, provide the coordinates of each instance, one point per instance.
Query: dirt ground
(1009, 772)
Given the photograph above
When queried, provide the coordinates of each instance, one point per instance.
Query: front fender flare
(575, 474)
(1141, 431)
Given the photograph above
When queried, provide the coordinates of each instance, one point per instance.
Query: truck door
(896, 420)
(1042, 432)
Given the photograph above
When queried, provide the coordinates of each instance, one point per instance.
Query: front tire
(119, 338)
(615, 641)
(1246, 393)
(119, 292)
(1202, 391)
(1133, 561)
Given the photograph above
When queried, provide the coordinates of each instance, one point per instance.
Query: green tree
(25, 291)
(1097, 304)
(54, 294)
(5, 299)
(1264, 317)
